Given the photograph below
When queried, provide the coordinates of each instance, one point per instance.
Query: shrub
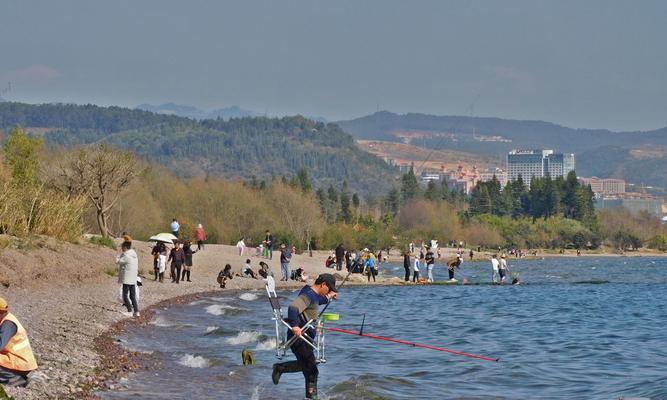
(103, 241)
(658, 242)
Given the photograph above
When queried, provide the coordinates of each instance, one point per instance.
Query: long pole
(399, 341)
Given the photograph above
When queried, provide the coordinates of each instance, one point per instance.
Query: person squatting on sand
(304, 308)
(16, 357)
(225, 274)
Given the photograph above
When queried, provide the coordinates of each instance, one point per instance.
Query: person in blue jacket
(303, 309)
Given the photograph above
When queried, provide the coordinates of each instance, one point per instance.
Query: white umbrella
(163, 237)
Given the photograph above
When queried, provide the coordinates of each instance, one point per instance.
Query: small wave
(249, 296)
(192, 361)
(162, 322)
(269, 344)
(221, 309)
(211, 329)
(244, 337)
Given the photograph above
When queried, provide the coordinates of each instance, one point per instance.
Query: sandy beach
(68, 299)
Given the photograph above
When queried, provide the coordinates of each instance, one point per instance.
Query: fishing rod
(399, 341)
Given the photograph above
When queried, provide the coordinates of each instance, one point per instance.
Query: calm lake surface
(576, 328)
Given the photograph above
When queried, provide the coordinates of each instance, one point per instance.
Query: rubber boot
(311, 390)
(282, 368)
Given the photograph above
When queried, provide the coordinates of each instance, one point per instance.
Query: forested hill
(245, 147)
(639, 157)
(493, 135)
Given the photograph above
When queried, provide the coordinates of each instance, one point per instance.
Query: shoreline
(86, 317)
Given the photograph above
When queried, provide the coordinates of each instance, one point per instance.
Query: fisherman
(455, 263)
(430, 263)
(502, 268)
(16, 357)
(303, 309)
(495, 277)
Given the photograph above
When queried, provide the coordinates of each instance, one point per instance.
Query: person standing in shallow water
(304, 308)
(406, 265)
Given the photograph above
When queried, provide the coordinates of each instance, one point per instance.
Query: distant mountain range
(237, 148)
(196, 113)
(598, 152)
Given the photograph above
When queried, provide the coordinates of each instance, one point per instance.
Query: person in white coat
(495, 276)
(128, 272)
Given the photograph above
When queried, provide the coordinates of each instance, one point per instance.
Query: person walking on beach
(472, 254)
(187, 252)
(156, 258)
(495, 277)
(128, 272)
(285, 258)
(268, 241)
(240, 245)
(200, 236)
(16, 357)
(175, 227)
(177, 258)
(406, 265)
(430, 263)
(304, 308)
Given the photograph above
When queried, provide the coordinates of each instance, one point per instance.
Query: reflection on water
(585, 328)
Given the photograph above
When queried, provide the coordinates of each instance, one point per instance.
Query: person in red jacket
(200, 236)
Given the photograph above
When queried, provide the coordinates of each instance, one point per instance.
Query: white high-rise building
(538, 164)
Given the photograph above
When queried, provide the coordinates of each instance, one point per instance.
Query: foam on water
(221, 309)
(244, 337)
(193, 361)
(162, 322)
(249, 296)
(269, 344)
(211, 329)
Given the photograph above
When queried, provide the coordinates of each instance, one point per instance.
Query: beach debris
(248, 357)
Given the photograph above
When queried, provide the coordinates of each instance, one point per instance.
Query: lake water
(576, 328)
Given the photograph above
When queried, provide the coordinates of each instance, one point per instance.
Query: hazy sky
(592, 64)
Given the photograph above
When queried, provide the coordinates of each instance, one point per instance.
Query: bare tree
(100, 173)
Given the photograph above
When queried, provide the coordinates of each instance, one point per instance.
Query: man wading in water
(304, 308)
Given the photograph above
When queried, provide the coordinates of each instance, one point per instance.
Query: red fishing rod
(399, 341)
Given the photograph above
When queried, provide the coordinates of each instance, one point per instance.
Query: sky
(582, 64)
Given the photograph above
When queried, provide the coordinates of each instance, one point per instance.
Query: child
(246, 271)
(223, 275)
